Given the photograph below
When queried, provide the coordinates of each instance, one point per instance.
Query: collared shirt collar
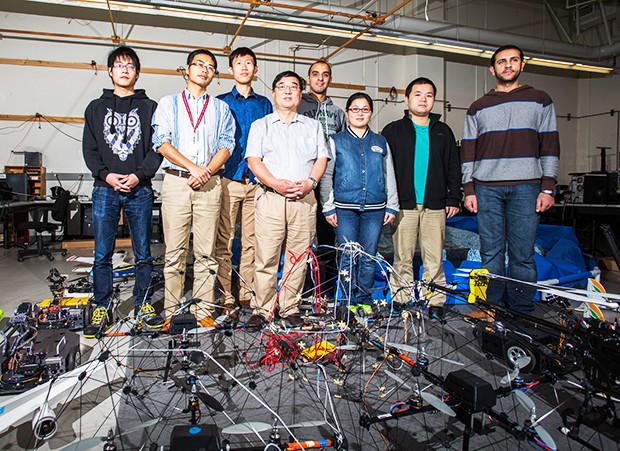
(353, 133)
(275, 117)
(236, 93)
(189, 95)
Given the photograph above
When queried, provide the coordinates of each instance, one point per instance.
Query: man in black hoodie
(118, 151)
(428, 174)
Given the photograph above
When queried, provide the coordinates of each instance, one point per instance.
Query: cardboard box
(90, 244)
(608, 263)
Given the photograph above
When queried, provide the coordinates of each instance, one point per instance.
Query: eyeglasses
(356, 110)
(205, 67)
(129, 67)
(283, 87)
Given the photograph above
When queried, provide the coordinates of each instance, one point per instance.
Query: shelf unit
(36, 178)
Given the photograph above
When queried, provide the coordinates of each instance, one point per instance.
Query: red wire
(278, 350)
(294, 260)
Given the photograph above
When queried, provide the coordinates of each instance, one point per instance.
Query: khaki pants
(184, 210)
(280, 222)
(236, 197)
(430, 225)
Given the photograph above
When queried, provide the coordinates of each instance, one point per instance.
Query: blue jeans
(363, 227)
(507, 218)
(138, 206)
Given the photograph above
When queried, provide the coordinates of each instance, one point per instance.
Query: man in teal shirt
(428, 174)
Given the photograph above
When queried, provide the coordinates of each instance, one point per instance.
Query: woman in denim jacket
(359, 196)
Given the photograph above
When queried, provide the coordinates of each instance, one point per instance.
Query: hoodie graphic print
(122, 131)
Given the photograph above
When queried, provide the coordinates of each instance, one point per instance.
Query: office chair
(40, 223)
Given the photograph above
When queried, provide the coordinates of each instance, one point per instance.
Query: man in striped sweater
(510, 159)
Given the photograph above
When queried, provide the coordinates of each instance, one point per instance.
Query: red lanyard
(189, 113)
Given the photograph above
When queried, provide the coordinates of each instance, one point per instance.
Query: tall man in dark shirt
(510, 159)
(238, 182)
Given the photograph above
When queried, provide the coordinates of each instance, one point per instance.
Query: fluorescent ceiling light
(450, 48)
(375, 36)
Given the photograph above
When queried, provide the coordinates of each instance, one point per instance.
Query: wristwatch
(550, 192)
(314, 182)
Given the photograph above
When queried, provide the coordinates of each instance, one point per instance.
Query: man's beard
(502, 79)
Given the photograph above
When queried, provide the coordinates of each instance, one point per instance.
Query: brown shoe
(207, 322)
(228, 314)
(482, 315)
(255, 323)
(294, 320)
(245, 302)
(166, 326)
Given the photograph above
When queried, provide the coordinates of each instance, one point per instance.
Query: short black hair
(420, 81)
(322, 62)
(193, 54)
(124, 52)
(241, 51)
(359, 95)
(506, 47)
(288, 73)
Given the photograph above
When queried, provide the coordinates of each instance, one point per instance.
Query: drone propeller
(529, 405)
(525, 401)
(258, 427)
(579, 298)
(247, 428)
(89, 443)
(398, 379)
(349, 347)
(431, 399)
(521, 362)
(437, 403)
(206, 398)
(568, 293)
(414, 350)
(545, 437)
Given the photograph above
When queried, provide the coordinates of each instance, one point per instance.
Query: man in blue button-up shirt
(238, 182)
(195, 134)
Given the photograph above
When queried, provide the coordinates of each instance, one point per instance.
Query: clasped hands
(199, 176)
(122, 182)
(293, 190)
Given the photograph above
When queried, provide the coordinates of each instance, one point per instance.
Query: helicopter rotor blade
(84, 445)
(306, 424)
(525, 401)
(254, 427)
(89, 443)
(509, 377)
(544, 436)
(398, 379)
(144, 425)
(522, 362)
(210, 401)
(438, 404)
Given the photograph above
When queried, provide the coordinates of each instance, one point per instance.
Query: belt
(186, 174)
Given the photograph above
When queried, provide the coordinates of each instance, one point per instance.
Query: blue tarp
(558, 257)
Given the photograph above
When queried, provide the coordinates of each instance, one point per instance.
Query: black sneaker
(435, 312)
(99, 323)
(147, 316)
(255, 323)
(294, 319)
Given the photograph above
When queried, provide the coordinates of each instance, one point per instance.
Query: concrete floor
(26, 281)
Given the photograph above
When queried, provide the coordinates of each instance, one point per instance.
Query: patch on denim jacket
(377, 149)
